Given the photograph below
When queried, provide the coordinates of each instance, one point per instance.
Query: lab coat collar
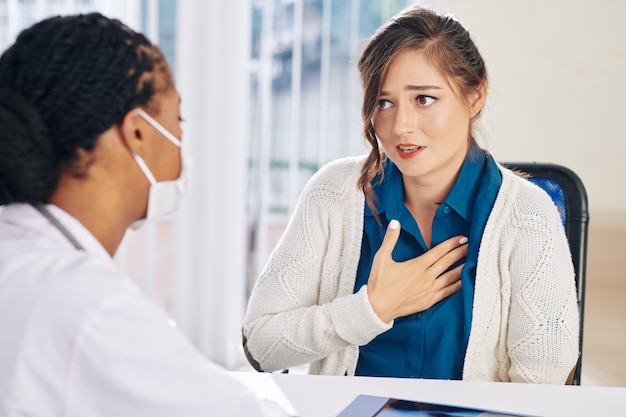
(30, 220)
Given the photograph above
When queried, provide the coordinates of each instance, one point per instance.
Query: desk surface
(327, 396)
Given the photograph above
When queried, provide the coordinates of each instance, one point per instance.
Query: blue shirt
(432, 343)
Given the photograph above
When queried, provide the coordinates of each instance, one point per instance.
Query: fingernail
(463, 240)
(394, 224)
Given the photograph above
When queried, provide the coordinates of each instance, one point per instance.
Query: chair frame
(576, 227)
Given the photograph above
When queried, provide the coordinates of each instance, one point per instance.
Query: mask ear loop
(164, 132)
(144, 167)
(158, 127)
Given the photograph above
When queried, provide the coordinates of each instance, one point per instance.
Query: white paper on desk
(267, 390)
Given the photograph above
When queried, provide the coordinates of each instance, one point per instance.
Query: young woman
(90, 145)
(426, 258)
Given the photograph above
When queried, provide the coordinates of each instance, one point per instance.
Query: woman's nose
(405, 120)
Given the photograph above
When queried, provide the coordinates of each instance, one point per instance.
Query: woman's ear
(132, 131)
(477, 99)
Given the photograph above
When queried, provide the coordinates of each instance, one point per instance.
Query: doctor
(90, 144)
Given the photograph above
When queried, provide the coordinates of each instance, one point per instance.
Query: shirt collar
(387, 186)
(390, 195)
(461, 196)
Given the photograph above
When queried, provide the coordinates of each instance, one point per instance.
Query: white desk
(326, 396)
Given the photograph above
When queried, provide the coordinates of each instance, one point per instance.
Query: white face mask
(165, 196)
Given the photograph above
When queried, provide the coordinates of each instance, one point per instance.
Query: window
(306, 99)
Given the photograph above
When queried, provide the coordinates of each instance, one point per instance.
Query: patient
(426, 258)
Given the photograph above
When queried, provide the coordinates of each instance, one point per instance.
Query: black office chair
(568, 193)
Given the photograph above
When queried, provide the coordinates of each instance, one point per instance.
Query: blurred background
(270, 93)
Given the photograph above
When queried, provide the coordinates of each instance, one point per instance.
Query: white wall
(558, 86)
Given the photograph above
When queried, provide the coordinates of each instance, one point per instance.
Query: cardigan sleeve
(543, 325)
(302, 308)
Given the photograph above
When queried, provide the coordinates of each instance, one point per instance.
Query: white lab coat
(77, 338)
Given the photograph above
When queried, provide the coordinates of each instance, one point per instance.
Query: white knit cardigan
(524, 328)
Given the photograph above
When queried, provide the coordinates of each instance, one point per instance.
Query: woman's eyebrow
(414, 88)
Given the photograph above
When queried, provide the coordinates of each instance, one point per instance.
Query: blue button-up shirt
(432, 343)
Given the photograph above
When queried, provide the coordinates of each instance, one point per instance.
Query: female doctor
(90, 144)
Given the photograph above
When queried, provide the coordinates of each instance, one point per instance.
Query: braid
(82, 74)
(26, 168)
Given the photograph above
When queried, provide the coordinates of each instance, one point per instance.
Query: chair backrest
(569, 195)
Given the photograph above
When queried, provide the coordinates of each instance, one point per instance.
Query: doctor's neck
(104, 197)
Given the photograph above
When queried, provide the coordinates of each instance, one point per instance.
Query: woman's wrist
(383, 310)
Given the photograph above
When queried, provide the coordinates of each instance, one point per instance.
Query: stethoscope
(46, 213)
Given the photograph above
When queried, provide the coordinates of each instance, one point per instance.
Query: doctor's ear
(132, 130)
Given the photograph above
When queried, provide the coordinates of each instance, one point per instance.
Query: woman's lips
(406, 151)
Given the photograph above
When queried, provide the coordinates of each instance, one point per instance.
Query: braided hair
(64, 82)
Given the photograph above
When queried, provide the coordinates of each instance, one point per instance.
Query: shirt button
(446, 210)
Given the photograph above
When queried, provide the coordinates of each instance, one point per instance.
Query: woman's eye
(383, 104)
(425, 100)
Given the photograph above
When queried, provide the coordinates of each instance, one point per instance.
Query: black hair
(65, 81)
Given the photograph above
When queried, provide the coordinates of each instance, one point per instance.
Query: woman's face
(421, 122)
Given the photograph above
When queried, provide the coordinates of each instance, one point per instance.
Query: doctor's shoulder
(60, 287)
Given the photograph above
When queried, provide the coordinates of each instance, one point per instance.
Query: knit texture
(524, 320)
